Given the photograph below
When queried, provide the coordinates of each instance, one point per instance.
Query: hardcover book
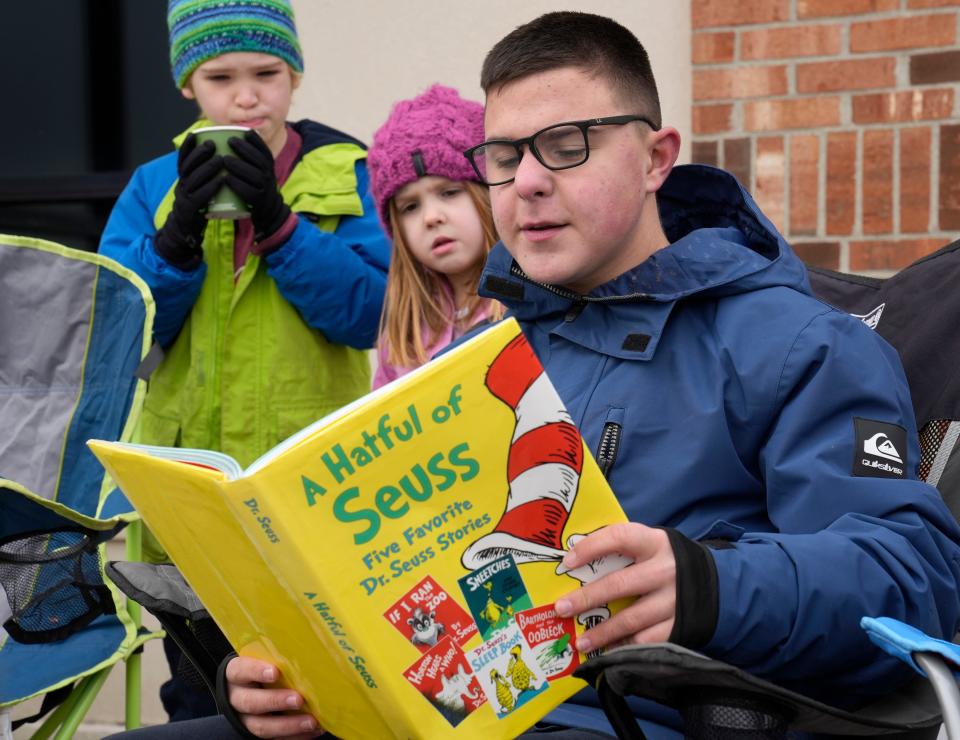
(399, 559)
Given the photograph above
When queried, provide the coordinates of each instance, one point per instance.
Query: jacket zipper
(576, 297)
(609, 446)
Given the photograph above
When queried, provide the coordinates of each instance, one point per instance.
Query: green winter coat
(246, 371)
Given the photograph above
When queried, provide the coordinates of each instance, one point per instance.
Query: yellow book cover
(398, 559)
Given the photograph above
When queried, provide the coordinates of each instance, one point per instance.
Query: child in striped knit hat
(264, 321)
(257, 314)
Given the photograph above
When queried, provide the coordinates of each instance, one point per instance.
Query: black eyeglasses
(557, 147)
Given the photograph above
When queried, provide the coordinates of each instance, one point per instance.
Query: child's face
(441, 226)
(244, 88)
(583, 226)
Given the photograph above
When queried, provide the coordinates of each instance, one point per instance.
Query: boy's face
(583, 226)
(244, 88)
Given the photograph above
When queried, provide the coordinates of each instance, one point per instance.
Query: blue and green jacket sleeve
(128, 239)
(336, 281)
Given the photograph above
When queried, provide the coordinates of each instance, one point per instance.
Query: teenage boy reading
(765, 444)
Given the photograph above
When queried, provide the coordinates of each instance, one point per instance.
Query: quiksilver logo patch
(881, 449)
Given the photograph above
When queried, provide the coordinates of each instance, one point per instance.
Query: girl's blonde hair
(415, 298)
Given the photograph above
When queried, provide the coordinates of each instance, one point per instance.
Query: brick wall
(840, 116)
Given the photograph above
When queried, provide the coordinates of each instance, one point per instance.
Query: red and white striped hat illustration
(543, 464)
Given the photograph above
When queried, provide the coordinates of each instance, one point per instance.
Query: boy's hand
(256, 704)
(180, 240)
(250, 175)
(651, 580)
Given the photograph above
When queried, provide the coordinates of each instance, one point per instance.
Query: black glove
(180, 240)
(250, 175)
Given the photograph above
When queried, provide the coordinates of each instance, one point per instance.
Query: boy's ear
(664, 148)
(294, 78)
(188, 93)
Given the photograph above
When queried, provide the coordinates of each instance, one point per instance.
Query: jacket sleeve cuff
(223, 701)
(698, 593)
(273, 242)
(184, 257)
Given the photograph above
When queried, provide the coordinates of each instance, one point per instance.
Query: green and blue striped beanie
(203, 29)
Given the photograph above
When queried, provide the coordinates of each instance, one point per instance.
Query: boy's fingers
(292, 726)
(649, 619)
(205, 173)
(629, 539)
(256, 705)
(256, 141)
(631, 582)
(243, 670)
(247, 192)
(652, 578)
(186, 149)
(195, 157)
(261, 158)
(256, 700)
(243, 170)
(206, 191)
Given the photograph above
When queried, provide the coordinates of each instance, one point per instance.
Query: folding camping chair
(75, 329)
(916, 311)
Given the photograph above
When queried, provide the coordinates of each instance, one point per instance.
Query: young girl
(438, 215)
(264, 321)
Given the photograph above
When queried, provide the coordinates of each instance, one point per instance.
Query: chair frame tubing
(945, 687)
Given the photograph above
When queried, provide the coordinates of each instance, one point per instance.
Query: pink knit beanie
(426, 135)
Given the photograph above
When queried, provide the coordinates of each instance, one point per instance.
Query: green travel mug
(225, 203)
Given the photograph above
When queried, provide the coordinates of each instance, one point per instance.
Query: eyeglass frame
(518, 144)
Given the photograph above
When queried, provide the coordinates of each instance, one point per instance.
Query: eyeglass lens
(558, 147)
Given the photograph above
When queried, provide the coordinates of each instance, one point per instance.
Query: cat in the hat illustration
(543, 469)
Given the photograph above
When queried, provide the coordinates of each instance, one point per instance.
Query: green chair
(75, 333)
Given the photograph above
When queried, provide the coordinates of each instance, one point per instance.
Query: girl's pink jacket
(386, 372)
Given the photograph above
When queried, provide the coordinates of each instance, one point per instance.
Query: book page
(210, 459)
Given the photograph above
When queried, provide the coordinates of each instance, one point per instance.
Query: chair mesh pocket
(54, 584)
(719, 715)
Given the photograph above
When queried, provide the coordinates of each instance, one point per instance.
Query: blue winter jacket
(734, 394)
(334, 280)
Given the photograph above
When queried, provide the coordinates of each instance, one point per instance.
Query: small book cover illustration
(551, 639)
(427, 613)
(494, 593)
(443, 676)
(507, 670)
(399, 559)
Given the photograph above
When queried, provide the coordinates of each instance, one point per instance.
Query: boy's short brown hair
(594, 43)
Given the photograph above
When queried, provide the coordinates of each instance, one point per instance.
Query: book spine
(343, 666)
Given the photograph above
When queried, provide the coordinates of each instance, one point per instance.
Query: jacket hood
(316, 134)
(720, 244)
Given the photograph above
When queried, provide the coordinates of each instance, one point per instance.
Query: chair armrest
(702, 689)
